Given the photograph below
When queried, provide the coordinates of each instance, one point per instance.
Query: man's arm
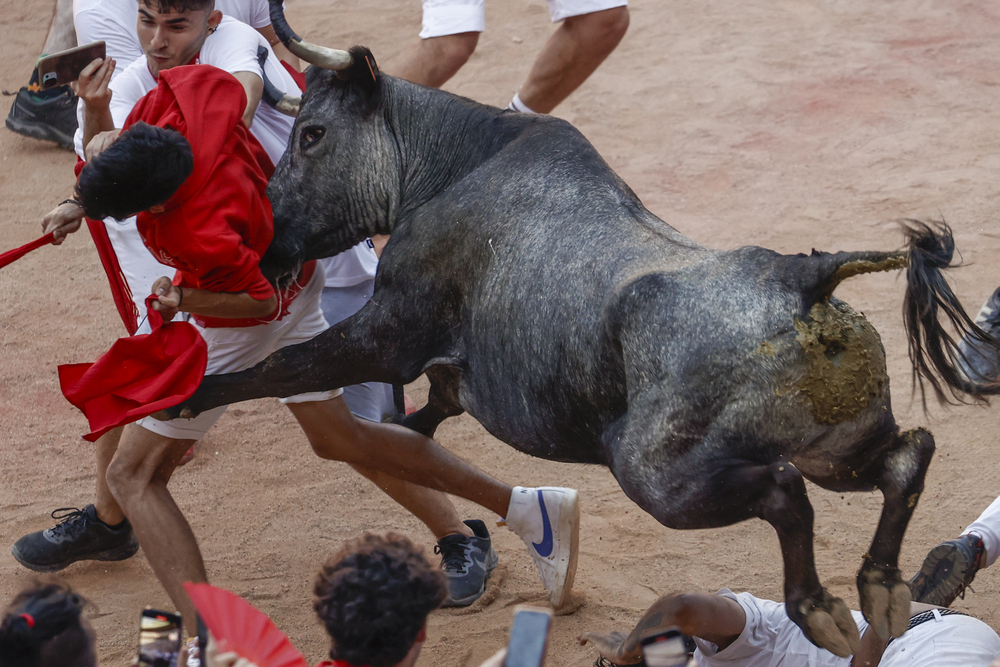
(92, 87)
(713, 618)
(254, 87)
(279, 48)
(211, 304)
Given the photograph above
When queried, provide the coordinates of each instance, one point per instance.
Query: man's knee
(451, 52)
(603, 29)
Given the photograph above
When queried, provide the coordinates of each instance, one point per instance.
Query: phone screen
(529, 636)
(159, 638)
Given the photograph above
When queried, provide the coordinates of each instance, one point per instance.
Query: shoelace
(72, 521)
(454, 555)
(604, 662)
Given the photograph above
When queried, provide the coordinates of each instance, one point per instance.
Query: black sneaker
(468, 562)
(981, 363)
(48, 119)
(80, 535)
(948, 569)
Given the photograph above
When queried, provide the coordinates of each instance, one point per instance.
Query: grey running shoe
(467, 561)
(48, 119)
(948, 570)
(80, 535)
(981, 362)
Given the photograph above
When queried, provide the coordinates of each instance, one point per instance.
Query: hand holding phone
(529, 637)
(159, 638)
(59, 69)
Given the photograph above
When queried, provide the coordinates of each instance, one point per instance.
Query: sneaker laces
(454, 554)
(73, 521)
(604, 662)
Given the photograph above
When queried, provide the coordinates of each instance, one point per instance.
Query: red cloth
(218, 224)
(299, 77)
(138, 376)
(12, 256)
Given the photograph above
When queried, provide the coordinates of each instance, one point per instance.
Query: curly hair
(42, 628)
(374, 596)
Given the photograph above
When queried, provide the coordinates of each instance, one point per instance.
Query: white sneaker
(548, 520)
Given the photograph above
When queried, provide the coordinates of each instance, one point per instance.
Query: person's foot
(80, 535)
(947, 570)
(980, 362)
(547, 519)
(46, 118)
(467, 562)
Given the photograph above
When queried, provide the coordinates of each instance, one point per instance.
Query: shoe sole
(945, 591)
(466, 601)
(39, 131)
(569, 523)
(120, 553)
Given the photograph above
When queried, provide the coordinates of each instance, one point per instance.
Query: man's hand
(168, 298)
(63, 220)
(92, 86)
(100, 143)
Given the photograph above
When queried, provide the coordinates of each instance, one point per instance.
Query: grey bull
(530, 284)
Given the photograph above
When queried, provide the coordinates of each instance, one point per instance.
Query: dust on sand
(790, 124)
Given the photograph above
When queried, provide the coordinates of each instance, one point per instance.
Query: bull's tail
(936, 355)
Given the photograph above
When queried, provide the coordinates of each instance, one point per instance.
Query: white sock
(517, 105)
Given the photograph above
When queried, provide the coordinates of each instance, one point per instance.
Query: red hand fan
(247, 630)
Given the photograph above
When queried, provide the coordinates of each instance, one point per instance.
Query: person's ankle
(110, 519)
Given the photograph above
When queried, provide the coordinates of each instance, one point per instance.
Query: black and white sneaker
(467, 561)
(46, 118)
(80, 535)
(979, 361)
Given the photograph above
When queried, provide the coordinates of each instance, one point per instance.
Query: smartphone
(58, 69)
(159, 638)
(665, 649)
(529, 637)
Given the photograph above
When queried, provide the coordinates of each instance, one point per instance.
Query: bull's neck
(441, 139)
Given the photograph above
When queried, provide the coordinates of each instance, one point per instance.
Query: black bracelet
(71, 201)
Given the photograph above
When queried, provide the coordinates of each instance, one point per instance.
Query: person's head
(142, 169)
(374, 596)
(172, 32)
(44, 627)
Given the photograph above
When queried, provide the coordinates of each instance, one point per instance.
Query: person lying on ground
(739, 629)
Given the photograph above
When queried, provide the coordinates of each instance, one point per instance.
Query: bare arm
(279, 48)
(713, 618)
(92, 87)
(254, 87)
(211, 304)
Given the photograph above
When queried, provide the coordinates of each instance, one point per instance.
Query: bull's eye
(310, 136)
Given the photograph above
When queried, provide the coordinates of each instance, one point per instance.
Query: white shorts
(452, 17)
(238, 348)
(770, 639)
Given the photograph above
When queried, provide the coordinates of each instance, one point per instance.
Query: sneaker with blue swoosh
(547, 519)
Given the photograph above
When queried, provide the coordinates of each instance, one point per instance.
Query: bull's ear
(363, 76)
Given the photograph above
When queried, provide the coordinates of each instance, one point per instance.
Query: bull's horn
(313, 54)
(288, 105)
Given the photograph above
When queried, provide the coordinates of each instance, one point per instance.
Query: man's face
(171, 38)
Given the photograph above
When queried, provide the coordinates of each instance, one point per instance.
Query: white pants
(987, 526)
(451, 17)
(235, 349)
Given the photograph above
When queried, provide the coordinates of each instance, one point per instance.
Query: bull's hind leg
(442, 401)
(885, 597)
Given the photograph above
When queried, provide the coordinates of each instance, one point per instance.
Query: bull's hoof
(828, 623)
(885, 599)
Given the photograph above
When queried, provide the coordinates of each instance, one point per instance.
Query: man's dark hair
(179, 6)
(374, 596)
(141, 169)
(42, 628)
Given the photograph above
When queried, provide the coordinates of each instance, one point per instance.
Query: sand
(790, 124)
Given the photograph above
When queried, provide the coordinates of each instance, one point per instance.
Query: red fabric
(300, 77)
(120, 291)
(138, 376)
(12, 256)
(218, 224)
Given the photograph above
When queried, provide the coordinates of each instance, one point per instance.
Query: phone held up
(529, 637)
(665, 649)
(58, 69)
(159, 638)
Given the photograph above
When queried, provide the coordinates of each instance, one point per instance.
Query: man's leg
(448, 37)
(138, 477)
(577, 47)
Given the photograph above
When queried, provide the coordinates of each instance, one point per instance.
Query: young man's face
(171, 38)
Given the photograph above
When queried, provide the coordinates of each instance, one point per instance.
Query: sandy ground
(790, 124)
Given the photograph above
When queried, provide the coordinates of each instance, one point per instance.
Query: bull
(538, 294)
